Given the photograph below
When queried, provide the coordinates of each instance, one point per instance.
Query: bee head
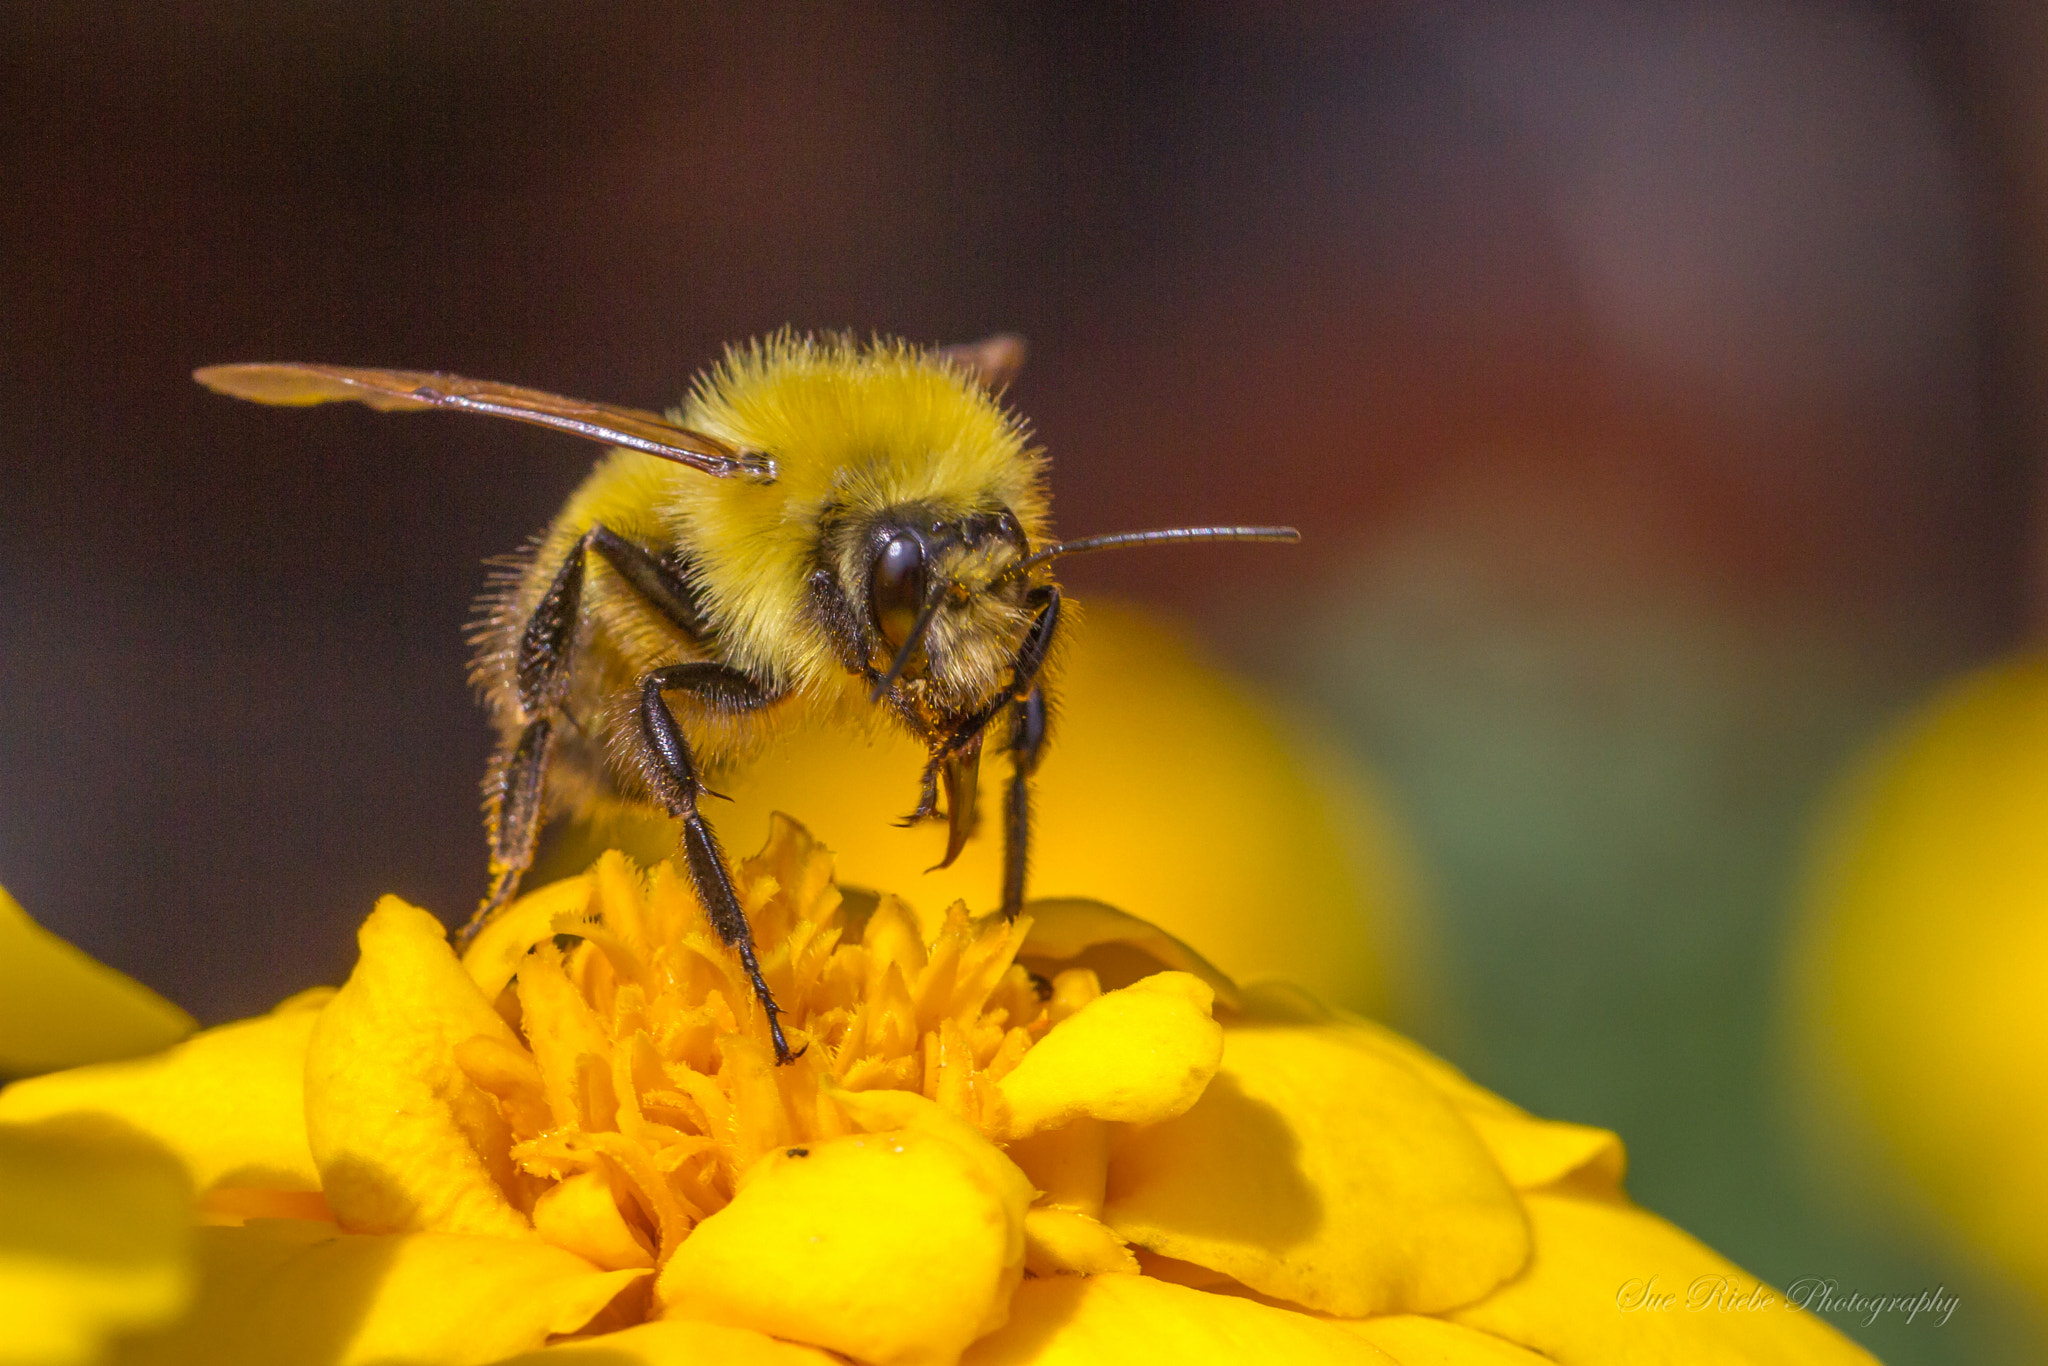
(935, 576)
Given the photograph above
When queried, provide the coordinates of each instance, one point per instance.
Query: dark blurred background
(1659, 386)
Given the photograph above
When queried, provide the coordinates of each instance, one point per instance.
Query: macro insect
(857, 529)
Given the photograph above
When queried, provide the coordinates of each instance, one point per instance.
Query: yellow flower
(94, 1218)
(1068, 1139)
(1920, 994)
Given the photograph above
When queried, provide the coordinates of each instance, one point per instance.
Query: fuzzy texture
(852, 427)
(856, 431)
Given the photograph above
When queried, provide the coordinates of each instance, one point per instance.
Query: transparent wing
(299, 385)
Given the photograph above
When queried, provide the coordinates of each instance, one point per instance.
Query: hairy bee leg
(515, 821)
(676, 783)
(541, 678)
(1027, 742)
(541, 667)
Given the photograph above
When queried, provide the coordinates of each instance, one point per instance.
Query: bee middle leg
(672, 773)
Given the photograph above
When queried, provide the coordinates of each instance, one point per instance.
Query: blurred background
(1659, 386)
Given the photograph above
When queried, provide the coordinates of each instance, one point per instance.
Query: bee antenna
(925, 617)
(1284, 534)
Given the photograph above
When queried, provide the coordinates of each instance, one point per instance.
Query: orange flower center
(647, 1085)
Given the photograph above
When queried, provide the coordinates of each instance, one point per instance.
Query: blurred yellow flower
(1920, 987)
(1168, 790)
(1002, 1143)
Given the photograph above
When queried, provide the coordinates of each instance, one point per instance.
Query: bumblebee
(827, 526)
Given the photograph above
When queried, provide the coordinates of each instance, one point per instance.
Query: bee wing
(299, 385)
(993, 361)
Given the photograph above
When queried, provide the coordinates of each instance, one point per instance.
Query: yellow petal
(891, 1247)
(1592, 1294)
(1064, 1242)
(405, 1142)
(676, 1342)
(1118, 946)
(1070, 1321)
(1417, 1341)
(582, 1215)
(61, 1008)
(282, 1293)
(1069, 1164)
(230, 1101)
(1537, 1153)
(877, 1111)
(95, 1223)
(1321, 1173)
(492, 958)
(1136, 1055)
(1532, 1152)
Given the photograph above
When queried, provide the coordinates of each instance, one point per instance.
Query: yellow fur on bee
(860, 426)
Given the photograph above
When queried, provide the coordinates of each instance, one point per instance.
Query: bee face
(894, 564)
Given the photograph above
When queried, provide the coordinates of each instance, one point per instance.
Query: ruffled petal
(1109, 1320)
(285, 1293)
(1120, 948)
(59, 1007)
(1414, 1340)
(1590, 1296)
(1532, 1152)
(95, 1223)
(676, 1342)
(1136, 1055)
(405, 1142)
(230, 1102)
(892, 1247)
(1321, 1173)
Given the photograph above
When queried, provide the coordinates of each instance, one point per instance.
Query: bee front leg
(1027, 741)
(672, 773)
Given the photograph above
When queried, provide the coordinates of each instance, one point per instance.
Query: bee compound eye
(896, 587)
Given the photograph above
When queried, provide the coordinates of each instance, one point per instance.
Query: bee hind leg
(672, 772)
(516, 785)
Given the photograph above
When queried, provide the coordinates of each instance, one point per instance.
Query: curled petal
(284, 1293)
(1535, 1154)
(1073, 932)
(1136, 1055)
(492, 958)
(1064, 1242)
(59, 1007)
(405, 1141)
(1325, 1175)
(1590, 1294)
(230, 1102)
(890, 1247)
(1075, 1321)
(95, 1222)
